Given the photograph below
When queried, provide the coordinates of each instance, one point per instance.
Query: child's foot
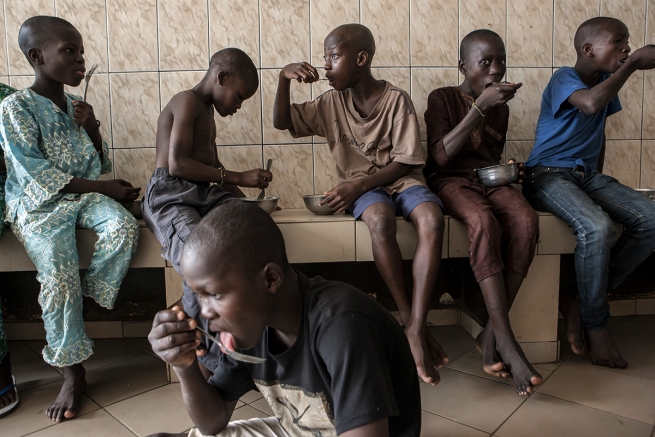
(67, 403)
(492, 362)
(6, 380)
(428, 355)
(524, 376)
(570, 309)
(602, 350)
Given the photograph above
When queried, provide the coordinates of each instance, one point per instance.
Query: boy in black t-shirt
(336, 362)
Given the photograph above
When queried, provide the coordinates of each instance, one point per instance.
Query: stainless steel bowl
(650, 192)
(499, 175)
(312, 203)
(268, 203)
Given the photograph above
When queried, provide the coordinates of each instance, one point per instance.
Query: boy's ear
(34, 55)
(362, 58)
(274, 277)
(462, 66)
(221, 76)
(588, 49)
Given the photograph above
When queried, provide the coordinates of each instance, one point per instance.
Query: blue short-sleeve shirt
(566, 136)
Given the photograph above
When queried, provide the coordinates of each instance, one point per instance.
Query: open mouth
(622, 60)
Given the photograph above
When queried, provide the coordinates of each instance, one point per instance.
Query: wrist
(92, 127)
(480, 108)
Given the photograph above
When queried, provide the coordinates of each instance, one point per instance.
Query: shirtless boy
(179, 193)
(467, 128)
(335, 361)
(562, 177)
(372, 130)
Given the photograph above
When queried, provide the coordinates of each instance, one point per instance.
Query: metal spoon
(87, 78)
(268, 168)
(235, 355)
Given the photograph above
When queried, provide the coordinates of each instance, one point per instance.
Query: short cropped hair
(237, 62)
(239, 237)
(590, 30)
(36, 31)
(469, 40)
(355, 36)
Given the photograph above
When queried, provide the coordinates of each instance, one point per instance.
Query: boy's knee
(483, 221)
(431, 221)
(600, 230)
(381, 223)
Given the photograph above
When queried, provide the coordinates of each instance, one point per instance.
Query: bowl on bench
(649, 192)
(499, 175)
(268, 203)
(312, 203)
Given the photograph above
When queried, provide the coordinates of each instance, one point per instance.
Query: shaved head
(239, 237)
(469, 41)
(590, 30)
(354, 36)
(37, 31)
(236, 62)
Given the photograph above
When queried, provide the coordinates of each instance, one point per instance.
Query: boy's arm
(301, 72)
(174, 339)
(592, 100)
(227, 187)
(182, 165)
(345, 194)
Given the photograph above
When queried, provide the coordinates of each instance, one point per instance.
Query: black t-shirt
(350, 365)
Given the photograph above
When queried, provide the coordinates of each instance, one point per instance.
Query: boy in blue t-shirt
(563, 177)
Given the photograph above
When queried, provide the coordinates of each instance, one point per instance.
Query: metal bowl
(499, 175)
(312, 203)
(649, 192)
(268, 203)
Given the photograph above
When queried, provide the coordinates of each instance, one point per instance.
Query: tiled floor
(128, 394)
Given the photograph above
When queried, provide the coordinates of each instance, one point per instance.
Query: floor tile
(159, 410)
(454, 330)
(536, 418)
(19, 351)
(595, 387)
(247, 412)
(141, 343)
(110, 351)
(471, 400)
(454, 346)
(251, 396)
(123, 380)
(437, 426)
(35, 345)
(97, 424)
(30, 414)
(263, 406)
(471, 363)
(34, 372)
(550, 367)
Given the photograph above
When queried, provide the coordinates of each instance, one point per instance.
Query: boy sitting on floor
(336, 362)
(54, 155)
(467, 127)
(562, 177)
(373, 134)
(179, 193)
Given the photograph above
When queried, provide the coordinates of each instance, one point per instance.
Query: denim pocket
(536, 172)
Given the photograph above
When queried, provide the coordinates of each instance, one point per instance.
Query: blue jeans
(589, 203)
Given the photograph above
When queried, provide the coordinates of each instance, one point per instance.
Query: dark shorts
(172, 207)
(403, 203)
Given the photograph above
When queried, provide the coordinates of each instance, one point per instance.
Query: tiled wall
(150, 49)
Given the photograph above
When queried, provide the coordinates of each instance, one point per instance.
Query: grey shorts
(171, 208)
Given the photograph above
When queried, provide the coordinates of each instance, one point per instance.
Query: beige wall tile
(235, 23)
(242, 158)
(4, 79)
(4, 66)
(434, 32)
(622, 161)
(135, 107)
(648, 124)
(632, 13)
(244, 127)
(183, 32)
(325, 16)
(524, 108)
(285, 26)
(21, 82)
(173, 82)
(16, 12)
(519, 150)
(399, 77)
(300, 92)
(98, 97)
(482, 14)
(292, 167)
(135, 166)
(325, 169)
(568, 16)
(650, 23)
(530, 33)
(90, 18)
(389, 22)
(626, 124)
(424, 81)
(132, 32)
(647, 164)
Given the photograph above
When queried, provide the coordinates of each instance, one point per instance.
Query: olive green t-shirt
(362, 146)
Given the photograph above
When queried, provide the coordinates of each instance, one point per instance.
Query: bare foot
(5, 380)
(67, 403)
(602, 350)
(570, 309)
(524, 376)
(428, 354)
(492, 362)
